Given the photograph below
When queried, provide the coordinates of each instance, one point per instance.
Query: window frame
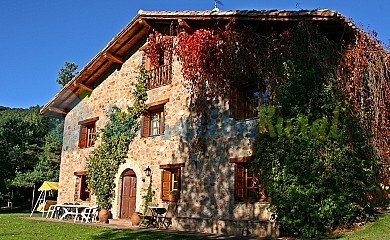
(170, 180)
(240, 97)
(242, 192)
(87, 132)
(148, 129)
(83, 192)
(156, 121)
(160, 75)
(163, 57)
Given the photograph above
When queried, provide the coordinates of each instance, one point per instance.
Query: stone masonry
(207, 188)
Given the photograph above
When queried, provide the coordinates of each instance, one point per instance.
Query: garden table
(71, 210)
(157, 213)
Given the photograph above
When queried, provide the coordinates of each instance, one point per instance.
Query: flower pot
(104, 214)
(172, 197)
(135, 219)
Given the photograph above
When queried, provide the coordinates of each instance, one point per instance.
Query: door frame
(126, 172)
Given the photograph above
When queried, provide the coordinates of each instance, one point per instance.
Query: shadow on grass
(338, 236)
(123, 234)
(7, 210)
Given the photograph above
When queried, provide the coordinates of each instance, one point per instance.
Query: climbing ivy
(318, 165)
(148, 198)
(120, 130)
(319, 172)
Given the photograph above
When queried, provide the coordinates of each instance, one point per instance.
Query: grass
(372, 231)
(20, 226)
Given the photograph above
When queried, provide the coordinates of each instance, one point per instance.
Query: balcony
(160, 76)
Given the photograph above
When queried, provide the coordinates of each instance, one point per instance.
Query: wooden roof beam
(146, 23)
(83, 87)
(113, 58)
(57, 110)
(185, 25)
(233, 20)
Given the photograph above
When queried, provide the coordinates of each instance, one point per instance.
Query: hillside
(2, 108)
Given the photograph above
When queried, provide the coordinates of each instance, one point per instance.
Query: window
(170, 180)
(247, 186)
(87, 133)
(245, 101)
(82, 191)
(160, 55)
(161, 70)
(153, 121)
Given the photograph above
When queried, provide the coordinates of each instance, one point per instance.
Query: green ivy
(148, 197)
(104, 161)
(317, 167)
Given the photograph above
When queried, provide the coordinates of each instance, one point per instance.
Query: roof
(47, 186)
(134, 35)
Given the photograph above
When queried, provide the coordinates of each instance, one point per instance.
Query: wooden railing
(159, 77)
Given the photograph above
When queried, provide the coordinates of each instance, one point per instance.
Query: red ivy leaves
(364, 78)
(157, 45)
(211, 57)
(200, 54)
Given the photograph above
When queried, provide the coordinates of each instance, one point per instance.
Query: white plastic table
(71, 209)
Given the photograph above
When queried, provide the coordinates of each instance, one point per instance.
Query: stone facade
(207, 195)
(207, 181)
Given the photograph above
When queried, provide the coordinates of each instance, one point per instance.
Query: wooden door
(129, 191)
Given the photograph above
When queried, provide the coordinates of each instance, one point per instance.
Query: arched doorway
(128, 193)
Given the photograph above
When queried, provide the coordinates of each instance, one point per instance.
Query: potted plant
(172, 197)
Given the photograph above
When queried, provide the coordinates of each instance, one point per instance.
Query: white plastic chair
(89, 214)
(54, 210)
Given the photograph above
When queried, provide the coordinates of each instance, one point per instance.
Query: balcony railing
(159, 77)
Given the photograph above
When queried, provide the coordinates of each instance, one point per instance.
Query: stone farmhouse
(216, 193)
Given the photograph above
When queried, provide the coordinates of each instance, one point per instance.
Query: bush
(317, 167)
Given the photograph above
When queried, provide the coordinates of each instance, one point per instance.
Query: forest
(30, 149)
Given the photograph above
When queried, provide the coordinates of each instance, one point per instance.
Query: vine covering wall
(104, 161)
(364, 76)
(330, 114)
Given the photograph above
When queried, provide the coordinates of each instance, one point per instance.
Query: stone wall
(207, 188)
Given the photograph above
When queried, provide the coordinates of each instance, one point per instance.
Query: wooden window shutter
(146, 61)
(241, 104)
(83, 136)
(84, 193)
(179, 182)
(233, 102)
(239, 182)
(162, 121)
(82, 188)
(166, 184)
(145, 131)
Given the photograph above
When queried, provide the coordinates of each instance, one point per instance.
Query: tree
(30, 152)
(46, 168)
(2, 108)
(66, 73)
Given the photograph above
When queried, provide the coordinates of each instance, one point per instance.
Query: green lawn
(20, 226)
(372, 231)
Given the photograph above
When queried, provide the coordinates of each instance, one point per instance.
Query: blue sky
(37, 37)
